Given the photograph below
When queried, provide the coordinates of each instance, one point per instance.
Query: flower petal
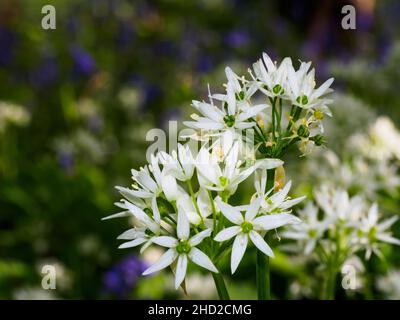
(180, 272)
(227, 233)
(165, 241)
(253, 208)
(133, 243)
(231, 213)
(183, 227)
(260, 243)
(201, 259)
(196, 239)
(165, 260)
(274, 221)
(238, 250)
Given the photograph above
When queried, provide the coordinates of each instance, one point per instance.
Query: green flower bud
(318, 139)
(303, 131)
(303, 100)
(277, 89)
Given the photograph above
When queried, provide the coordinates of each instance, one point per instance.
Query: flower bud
(303, 131)
(318, 139)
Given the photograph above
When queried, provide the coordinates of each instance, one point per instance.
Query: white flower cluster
(338, 226)
(286, 89)
(181, 200)
(192, 224)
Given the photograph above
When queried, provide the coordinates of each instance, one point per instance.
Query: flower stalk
(262, 264)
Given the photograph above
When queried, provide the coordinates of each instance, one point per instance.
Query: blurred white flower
(389, 285)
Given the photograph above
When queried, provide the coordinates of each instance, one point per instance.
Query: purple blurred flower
(204, 64)
(66, 161)
(237, 38)
(46, 73)
(365, 20)
(121, 279)
(7, 43)
(84, 64)
(125, 35)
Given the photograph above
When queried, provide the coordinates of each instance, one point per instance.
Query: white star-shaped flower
(249, 227)
(181, 249)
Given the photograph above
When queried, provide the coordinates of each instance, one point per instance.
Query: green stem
(189, 184)
(220, 285)
(330, 283)
(262, 266)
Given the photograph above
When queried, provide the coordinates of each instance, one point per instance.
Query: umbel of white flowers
(181, 201)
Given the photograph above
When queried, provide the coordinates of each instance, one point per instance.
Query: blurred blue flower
(84, 64)
(237, 38)
(66, 161)
(121, 279)
(46, 73)
(125, 35)
(7, 43)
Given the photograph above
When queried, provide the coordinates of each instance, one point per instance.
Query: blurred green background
(76, 103)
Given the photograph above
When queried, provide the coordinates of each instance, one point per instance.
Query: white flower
(181, 249)
(186, 205)
(371, 233)
(311, 230)
(390, 284)
(149, 183)
(144, 234)
(249, 227)
(180, 165)
(337, 205)
(272, 80)
(277, 202)
(302, 88)
(211, 176)
(233, 114)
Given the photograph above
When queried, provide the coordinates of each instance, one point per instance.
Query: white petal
(165, 260)
(251, 112)
(260, 243)
(196, 239)
(310, 246)
(274, 221)
(169, 187)
(133, 243)
(231, 213)
(253, 209)
(238, 250)
(201, 259)
(183, 227)
(227, 233)
(131, 234)
(322, 89)
(387, 223)
(388, 239)
(290, 203)
(180, 272)
(156, 212)
(118, 215)
(268, 163)
(165, 241)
